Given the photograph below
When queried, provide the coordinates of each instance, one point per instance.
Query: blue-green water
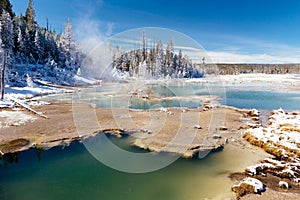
(72, 173)
(244, 95)
(266, 100)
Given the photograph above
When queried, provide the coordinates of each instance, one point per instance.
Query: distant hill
(230, 69)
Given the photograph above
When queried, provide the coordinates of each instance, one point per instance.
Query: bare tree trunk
(3, 74)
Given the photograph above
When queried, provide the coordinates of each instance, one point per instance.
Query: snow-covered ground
(26, 96)
(293, 78)
(14, 118)
(25, 93)
(281, 139)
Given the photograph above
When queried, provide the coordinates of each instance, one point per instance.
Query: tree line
(155, 62)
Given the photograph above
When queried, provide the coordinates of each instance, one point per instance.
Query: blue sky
(230, 30)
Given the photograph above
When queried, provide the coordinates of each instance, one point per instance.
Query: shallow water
(72, 173)
(240, 95)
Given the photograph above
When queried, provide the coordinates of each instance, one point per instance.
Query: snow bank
(25, 93)
(261, 78)
(79, 80)
(283, 131)
(281, 139)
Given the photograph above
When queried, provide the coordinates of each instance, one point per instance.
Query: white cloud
(225, 57)
(109, 30)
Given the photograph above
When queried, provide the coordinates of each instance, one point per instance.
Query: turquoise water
(244, 95)
(266, 100)
(72, 173)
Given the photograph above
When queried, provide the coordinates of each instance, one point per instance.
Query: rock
(253, 113)
(170, 113)
(216, 136)
(248, 186)
(256, 119)
(144, 96)
(283, 185)
(146, 131)
(252, 125)
(197, 127)
(223, 128)
(1, 153)
(162, 109)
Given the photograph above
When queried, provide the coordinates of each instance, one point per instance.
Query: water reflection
(9, 158)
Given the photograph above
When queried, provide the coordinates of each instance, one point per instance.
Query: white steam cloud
(92, 36)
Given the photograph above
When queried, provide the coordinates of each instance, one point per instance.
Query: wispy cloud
(225, 57)
(224, 48)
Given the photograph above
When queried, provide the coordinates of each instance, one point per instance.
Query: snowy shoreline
(280, 139)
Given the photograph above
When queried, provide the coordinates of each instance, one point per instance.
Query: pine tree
(6, 5)
(39, 42)
(7, 34)
(169, 58)
(19, 47)
(6, 30)
(30, 16)
(68, 47)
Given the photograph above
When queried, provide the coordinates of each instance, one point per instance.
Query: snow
(38, 103)
(257, 184)
(252, 170)
(284, 130)
(26, 96)
(283, 184)
(283, 137)
(14, 118)
(290, 172)
(162, 109)
(81, 80)
(25, 93)
(262, 78)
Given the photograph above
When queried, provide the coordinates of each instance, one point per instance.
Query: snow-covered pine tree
(7, 35)
(169, 58)
(51, 47)
(30, 16)
(39, 43)
(159, 66)
(7, 44)
(150, 61)
(6, 5)
(133, 63)
(68, 48)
